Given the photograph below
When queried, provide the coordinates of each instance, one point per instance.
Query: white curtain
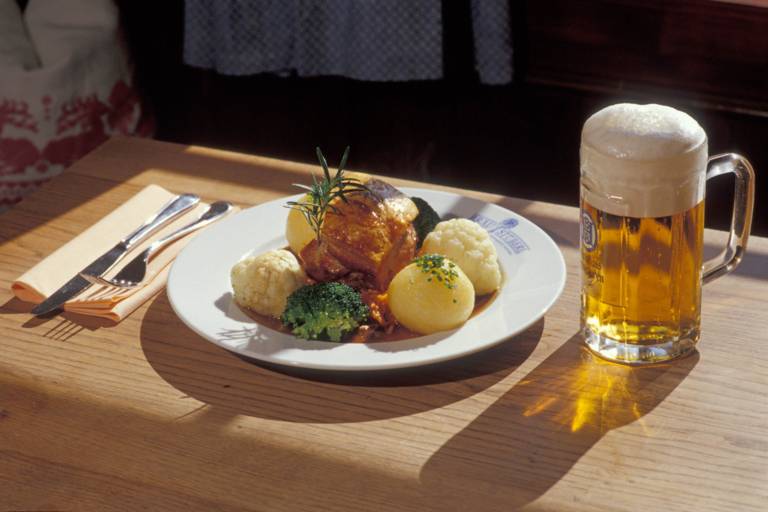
(379, 40)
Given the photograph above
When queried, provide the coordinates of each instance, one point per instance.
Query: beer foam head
(643, 160)
(642, 132)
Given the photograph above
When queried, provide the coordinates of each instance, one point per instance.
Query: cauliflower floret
(468, 245)
(264, 282)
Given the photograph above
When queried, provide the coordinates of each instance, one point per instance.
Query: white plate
(200, 292)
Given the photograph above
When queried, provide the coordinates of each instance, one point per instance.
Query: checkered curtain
(378, 40)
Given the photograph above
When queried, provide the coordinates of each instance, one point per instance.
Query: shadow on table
(60, 446)
(212, 375)
(61, 326)
(531, 437)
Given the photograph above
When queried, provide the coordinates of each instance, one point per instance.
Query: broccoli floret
(324, 311)
(426, 221)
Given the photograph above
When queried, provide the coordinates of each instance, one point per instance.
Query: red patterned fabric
(53, 111)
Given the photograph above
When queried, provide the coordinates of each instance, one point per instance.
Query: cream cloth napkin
(103, 301)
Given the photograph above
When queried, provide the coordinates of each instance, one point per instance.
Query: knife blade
(77, 284)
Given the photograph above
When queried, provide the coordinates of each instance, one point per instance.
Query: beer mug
(643, 173)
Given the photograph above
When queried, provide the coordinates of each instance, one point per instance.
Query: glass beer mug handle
(741, 221)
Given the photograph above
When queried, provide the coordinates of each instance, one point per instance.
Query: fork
(133, 274)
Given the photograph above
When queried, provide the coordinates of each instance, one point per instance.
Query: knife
(77, 284)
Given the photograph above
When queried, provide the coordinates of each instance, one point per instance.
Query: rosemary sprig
(323, 191)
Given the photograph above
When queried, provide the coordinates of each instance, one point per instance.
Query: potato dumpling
(469, 245)
(264, 282)
(298, 232)
(431, 294)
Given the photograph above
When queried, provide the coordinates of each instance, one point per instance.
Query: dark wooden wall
(709, 53)
(571, 58)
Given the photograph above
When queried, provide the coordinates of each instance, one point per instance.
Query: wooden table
(148, 415)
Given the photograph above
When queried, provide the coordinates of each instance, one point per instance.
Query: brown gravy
(399, 333)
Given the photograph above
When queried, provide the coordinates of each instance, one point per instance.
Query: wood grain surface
(146, 415)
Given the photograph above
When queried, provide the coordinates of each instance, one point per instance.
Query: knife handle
(170, 211)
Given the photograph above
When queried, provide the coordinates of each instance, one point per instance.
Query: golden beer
(643, 174)
(642, 276)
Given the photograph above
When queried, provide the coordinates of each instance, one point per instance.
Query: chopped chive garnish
(434, 266)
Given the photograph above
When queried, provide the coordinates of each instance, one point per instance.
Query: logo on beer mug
(588, 232)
